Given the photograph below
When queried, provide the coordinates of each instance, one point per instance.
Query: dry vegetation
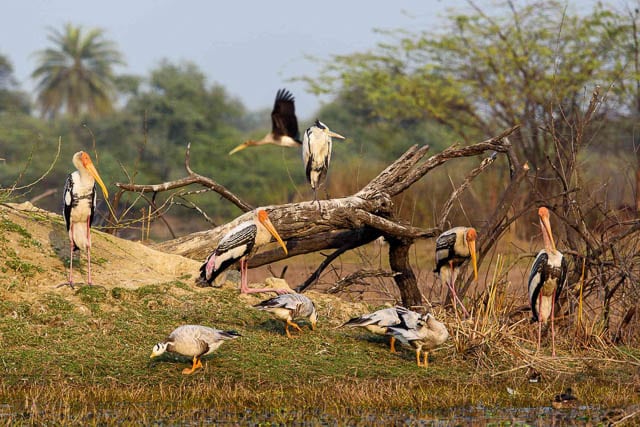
(82, 356)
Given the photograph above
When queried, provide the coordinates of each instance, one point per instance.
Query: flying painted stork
(379, 321)
(453, 248)
(284, 124)
(546, 279)
(79, 200)
(316, 153)
(241, 243)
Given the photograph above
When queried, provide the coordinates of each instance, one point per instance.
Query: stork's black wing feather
(564, 268)
(94, 202)
(67, 201)
(444, 249)
(245, 235)
(535, 285)
(283, 116)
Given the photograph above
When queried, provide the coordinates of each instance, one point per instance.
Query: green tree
(532, 64)
(76, 74)
(11, 98)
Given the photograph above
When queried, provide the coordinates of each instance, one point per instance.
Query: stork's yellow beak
(88, 164)
(241, 147)
(546, 225)
(264, 219)
(474, 260)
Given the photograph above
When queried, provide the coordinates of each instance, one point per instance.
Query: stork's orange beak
(241, 147)
(88, 164)
(546, 227)
(264, 219)
(474, 260)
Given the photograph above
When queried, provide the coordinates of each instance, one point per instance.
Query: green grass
(74, 353)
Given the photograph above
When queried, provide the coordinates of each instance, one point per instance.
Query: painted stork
(546, 279)
(429, 334)
(240, 243)
(379, 321)
(79, 201)
(454, 247)
(288, 307)
(316, 153)
(194, 341)
(284, 124)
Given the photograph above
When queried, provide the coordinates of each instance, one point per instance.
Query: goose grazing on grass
(428, 335)
(288, 307)
(194, 341)
(379, 321)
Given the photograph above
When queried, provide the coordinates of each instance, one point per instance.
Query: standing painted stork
(454, 247)
(240, 243)
(546, 279)
(284, 124)
(379, 321)
(79, 201)
(316, 153)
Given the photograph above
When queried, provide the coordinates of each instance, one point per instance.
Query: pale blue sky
(250, 47)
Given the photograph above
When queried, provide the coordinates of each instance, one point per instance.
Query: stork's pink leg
(89, 282)
(452, 287)
(71, 255)
(539, 321)
(553, 332)
(244, 285)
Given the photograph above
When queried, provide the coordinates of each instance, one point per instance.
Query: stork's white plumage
(316, 153)
(429, 334)
(546, 279)
(288, 307)
(454, 247)
(79, 204)
(194, 341)
(379, 321)
(284, 124)
(238, 244)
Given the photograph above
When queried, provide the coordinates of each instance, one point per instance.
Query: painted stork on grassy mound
(546, 279)
(427, 335)
(79, 204)
(453, 248)
(379, 321)
(316, 154)
(194, 341)
(239, 244)
(284, 124)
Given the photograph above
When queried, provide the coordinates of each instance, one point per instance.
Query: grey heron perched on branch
(453, 248)
(284, 124)
(546, 279)
(238, 244)
(79, 205)
(316, 153)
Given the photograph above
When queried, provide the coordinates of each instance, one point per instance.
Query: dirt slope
(34, 250)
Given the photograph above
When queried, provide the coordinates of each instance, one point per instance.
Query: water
(477, 416)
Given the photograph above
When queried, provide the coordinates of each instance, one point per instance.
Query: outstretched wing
(283, 116)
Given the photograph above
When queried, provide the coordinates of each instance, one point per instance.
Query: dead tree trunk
(347, 222)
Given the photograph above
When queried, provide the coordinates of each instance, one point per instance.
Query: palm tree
(76, 75)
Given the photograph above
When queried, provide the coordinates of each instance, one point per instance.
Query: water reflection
(477, 416)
